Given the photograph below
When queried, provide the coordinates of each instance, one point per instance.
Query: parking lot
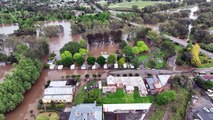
(197, 108)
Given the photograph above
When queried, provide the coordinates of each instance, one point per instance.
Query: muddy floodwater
(4, 69)
(8, 28)
(31, 98)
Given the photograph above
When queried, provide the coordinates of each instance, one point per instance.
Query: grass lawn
(47, 116)
(126, 4)
(121, 97)
(178, 47)
(79, 98)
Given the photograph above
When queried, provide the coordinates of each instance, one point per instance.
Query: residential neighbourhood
(106, 60)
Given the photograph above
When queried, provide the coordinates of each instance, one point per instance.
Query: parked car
(206, 109)
(211, 109)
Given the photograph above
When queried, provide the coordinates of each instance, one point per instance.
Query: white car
(206, 109)
(211, 109)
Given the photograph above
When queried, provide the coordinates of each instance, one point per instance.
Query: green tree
(72, 47)
(66, 58)
(80, 61)
(165, 97)
(154, 36)
(111, 59)
(3, 57)
(135, 50)
(91, 60)
(83, 43)
(2, 117)
(83, 51)
(121, 61)
(76, 56)
(101, 60)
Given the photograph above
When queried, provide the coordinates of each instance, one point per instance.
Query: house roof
(129, 87)
(65, 90)
(86, 112)
(134, 106)
(164, 79)
(57, 83)
(128, 81)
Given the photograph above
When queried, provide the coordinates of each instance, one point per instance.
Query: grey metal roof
(86, 112)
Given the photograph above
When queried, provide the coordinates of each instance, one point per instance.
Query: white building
(128, 83)
(58, 91)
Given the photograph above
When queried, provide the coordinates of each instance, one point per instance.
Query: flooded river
(8, 28)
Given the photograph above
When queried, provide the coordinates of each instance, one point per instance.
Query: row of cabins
(93, 67)
(152, 85)
(59, 92)
(93, 112)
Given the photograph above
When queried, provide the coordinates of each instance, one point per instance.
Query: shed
(94, 67)
(60, 67)
(116, 65)
(52, 67)
(105, 66)
(72, 67)
(124, 65)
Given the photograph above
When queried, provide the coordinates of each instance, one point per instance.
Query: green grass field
(139, 3)
(47, 116)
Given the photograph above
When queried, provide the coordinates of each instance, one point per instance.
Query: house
(117, 111)
(72, 67)
(58, 91)
(157, 83)
(128, 83)
(86, 112)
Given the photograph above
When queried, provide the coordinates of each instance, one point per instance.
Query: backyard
(47, 116)
(119, 96)
(126, 4)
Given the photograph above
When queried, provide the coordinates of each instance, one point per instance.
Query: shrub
(124, 75)
(165, 97)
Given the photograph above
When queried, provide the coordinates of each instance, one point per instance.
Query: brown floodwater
(8, 28)
(21, 112)
(98, 50)
(4, 69)
(31, 97)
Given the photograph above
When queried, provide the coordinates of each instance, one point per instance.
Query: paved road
(171, 62)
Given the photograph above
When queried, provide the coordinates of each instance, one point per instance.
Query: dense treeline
(176, 28)
(106, 37)
(16, 84)
(200, 32)
(160, 7)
